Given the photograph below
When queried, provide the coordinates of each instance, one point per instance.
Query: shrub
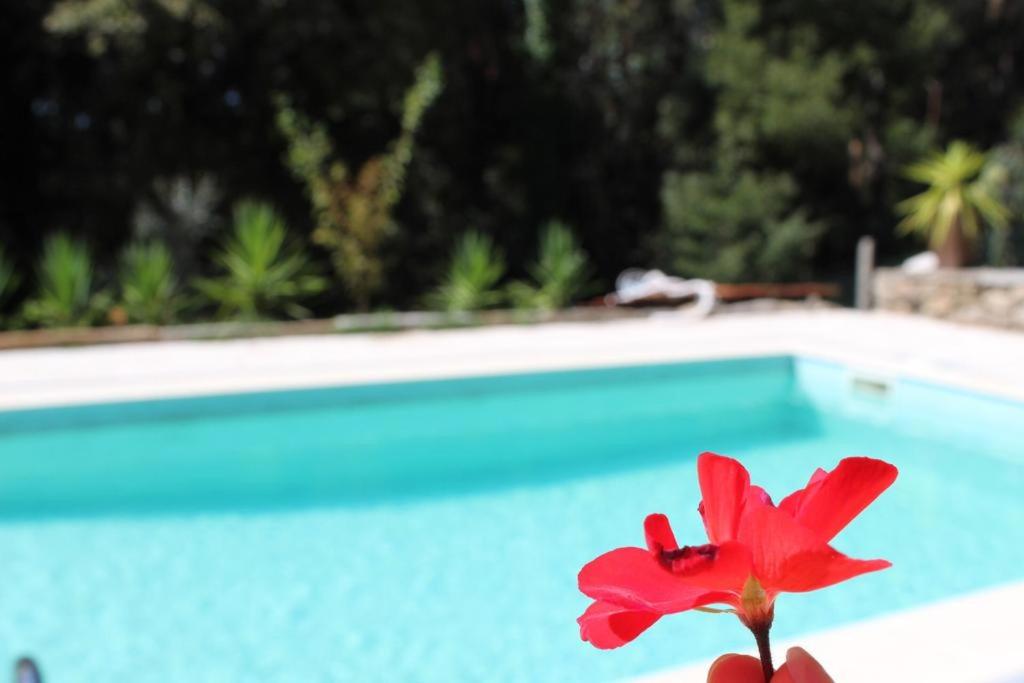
(262, 276)
(66, 294)
(474, 273)
(353, 208)
(559, 275)
(150, 290)
(738, 228)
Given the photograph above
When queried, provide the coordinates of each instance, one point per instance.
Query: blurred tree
(354, 212)
(950, 213)
(121, 23)
(593, 111)
(615, 66)
(736, 228)
(1005, 174)
(732, 222)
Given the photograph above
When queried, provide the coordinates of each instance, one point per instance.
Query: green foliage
(788, 101)
(958, 197)
(66, 295)
(8, 277)
(473, 276)
(536, 36)
(150, 291)
(592, 111)
(735, 229)
(354, 212)
(779, 100)
(8, 282)
(1004, 171)
(121, 22)
(560, 274)
(262, 276)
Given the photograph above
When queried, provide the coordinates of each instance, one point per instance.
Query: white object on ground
(636, 284)
(925, 262)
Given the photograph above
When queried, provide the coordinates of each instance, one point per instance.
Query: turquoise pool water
(432, 531)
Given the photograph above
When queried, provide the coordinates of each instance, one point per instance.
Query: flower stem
(764, 650)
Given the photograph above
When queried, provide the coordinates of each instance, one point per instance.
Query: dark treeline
(734, 139)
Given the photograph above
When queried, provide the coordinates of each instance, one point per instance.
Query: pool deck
(885, 345)
(969, 638)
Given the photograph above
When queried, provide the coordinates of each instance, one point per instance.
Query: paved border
(889, 345)
(970, 638)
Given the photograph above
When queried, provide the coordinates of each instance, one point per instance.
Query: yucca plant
(150, 290)
(473, 276)
(262, 275)
(559, 275)
(66, 294)
(950, 213)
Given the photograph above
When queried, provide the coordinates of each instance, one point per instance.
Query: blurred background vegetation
(371, 141)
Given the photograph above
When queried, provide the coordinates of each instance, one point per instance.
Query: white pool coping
(970, 638)
(987, 360)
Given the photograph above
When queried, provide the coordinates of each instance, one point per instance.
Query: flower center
(757, 610)
(688, 558)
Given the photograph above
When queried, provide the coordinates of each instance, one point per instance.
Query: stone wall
(986, 296)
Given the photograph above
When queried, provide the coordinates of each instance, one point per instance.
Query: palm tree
(958, 200)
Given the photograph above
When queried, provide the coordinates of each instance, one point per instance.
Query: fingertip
(733, 668)
(782, 675)
(803, 668)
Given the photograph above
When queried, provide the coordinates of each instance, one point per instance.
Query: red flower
(756, 551)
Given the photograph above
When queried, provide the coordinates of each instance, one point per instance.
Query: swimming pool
(432, 531)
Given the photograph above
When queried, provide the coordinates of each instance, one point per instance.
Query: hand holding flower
(800, 667)
(756, 551)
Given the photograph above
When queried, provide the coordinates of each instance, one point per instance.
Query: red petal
(760, 493)
(831, 503)
(793, 501)
(773, 537)
(606, 626)
(818, 569)
(789, 557)
(658, 533)
(819, 474)
(633, 578)
(723, 485)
